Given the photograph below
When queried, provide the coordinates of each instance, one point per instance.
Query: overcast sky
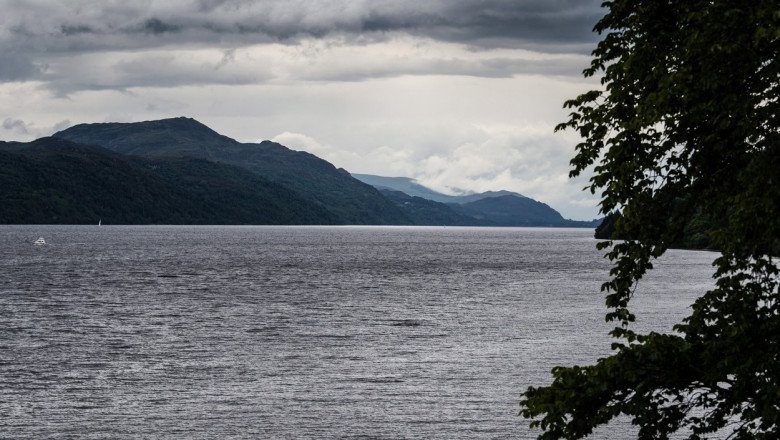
(459, 94)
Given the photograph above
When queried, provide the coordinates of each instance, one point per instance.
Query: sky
(462, 95)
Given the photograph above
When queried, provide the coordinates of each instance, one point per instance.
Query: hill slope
(426, 212)
(405, 185)
(56, 181)
(411, 187)
(510, 210)
(494, 208)
(348, 200)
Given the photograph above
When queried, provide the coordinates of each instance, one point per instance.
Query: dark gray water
(302, 332)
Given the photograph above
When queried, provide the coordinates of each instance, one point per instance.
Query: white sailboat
(100, 222)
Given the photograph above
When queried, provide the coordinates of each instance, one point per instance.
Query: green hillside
(56, 181)
(511, 210)
(348, 200)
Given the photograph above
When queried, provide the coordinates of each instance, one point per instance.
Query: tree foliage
(685, 124)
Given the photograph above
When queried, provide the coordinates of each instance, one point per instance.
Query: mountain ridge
(491, 208)
(411, 187)
(56, 181)
(316, 180)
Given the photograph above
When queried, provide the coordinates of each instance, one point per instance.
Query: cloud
(228, 56)
(489, 23)
(156, 26)
(311, 61)
(298, 141)
(17, 67)
(32, 32)
(500, 157)
(15, 125)
(26, 130)
(415, 56)
(155, 68)
(62, 125)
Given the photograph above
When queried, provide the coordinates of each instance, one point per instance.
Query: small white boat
(39, 242)
(100, 222)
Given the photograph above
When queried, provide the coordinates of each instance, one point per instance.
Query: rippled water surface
(302, 332)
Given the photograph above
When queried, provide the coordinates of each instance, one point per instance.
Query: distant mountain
(57, 181)
(166, 137)
(468, 198)
(411, 187)
(346, 199)
(405, 185)
(492, 208)
(430, 213)
(509, 210)
(512, 210)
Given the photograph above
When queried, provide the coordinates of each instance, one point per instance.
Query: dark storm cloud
(157, 26)
(17, 67)
(75, 30)
(33, 32)
(488, 23)
(496, 23)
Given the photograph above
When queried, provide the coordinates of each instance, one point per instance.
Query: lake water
(303, 332)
